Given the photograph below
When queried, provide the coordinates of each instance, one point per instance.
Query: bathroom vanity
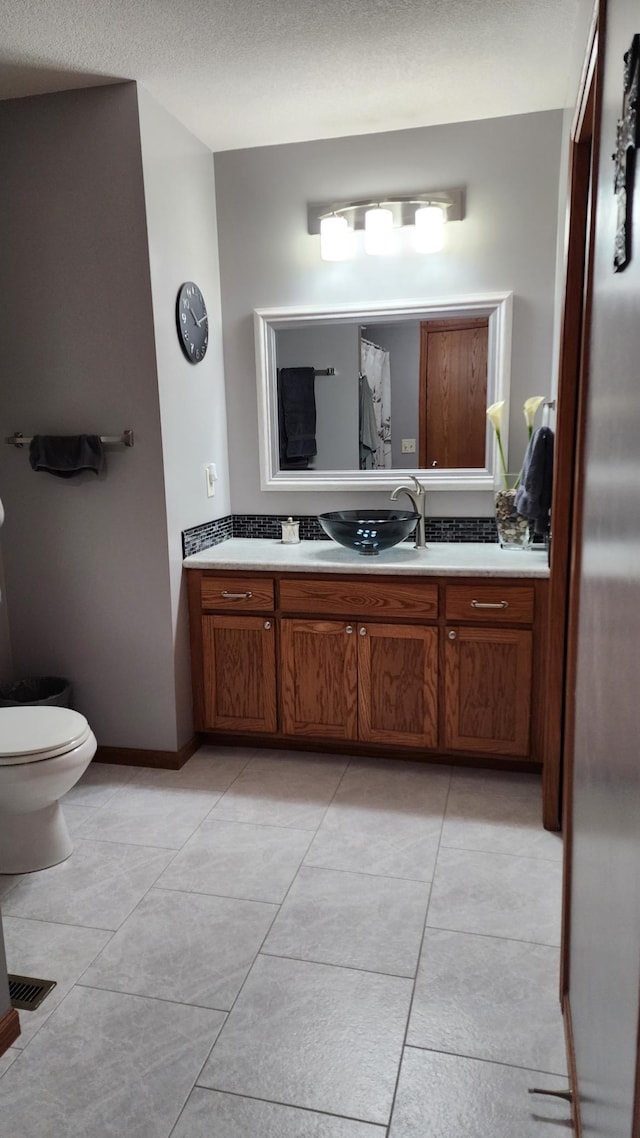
(435, 654)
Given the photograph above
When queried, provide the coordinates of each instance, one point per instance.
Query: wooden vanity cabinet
(488, 668)
(233, 653)
(376, 682)
(425, 666)
(371, 677)
(319, 678)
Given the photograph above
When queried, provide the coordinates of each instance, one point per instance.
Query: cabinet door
(239, 667)
(319, 678)
(488, 690)
(398, 684)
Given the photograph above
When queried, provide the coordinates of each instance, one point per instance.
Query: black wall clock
(192, 321)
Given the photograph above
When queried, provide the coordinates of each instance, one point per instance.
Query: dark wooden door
(453, 393)
(239, 668)
(319, 678)
(398, 684)
(488, 690)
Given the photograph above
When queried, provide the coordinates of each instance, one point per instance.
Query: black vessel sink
(368, 531)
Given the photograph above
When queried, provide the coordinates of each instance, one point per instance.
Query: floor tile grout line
(145, 996)
(333, 964)
(493, 936)
(289, 1106)
(502, 853)
(419, 961)
(484, 1059)
(58, 921)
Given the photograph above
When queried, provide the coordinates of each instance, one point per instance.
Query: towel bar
(17, 439)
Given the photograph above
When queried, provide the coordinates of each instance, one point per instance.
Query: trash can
(50, 690)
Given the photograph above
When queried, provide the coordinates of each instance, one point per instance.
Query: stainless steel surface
(418, 496)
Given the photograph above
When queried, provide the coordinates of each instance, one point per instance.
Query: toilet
(43, 752)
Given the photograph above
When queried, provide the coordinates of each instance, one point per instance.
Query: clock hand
(197, 324)
(201, 320)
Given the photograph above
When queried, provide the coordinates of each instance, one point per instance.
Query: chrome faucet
(418, 497)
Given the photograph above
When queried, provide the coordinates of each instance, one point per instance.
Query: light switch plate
(211, 475)
(408, 446)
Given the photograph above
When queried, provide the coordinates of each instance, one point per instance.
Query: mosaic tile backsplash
(205, 536)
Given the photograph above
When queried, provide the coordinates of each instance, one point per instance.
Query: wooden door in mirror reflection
(453, 393)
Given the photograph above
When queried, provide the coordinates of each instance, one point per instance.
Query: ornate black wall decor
(624, 157)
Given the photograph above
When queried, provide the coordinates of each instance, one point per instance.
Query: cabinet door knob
(452, 635)
(267, 625)
(363, 632)
(349, 629)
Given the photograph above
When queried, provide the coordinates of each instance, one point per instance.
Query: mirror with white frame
(342, 344)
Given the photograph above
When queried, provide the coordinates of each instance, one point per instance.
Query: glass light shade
(336, 239)
(378, 232)
(429, 229)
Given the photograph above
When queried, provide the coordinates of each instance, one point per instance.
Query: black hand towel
(533, 496)
(66, 455)
(297, 413)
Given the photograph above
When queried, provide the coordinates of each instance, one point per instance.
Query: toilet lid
(31, 733)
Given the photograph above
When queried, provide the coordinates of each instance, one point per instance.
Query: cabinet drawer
(493, 604)
(242, 594)
(360, 598)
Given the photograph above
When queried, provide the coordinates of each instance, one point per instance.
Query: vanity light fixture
(336, 238)
(429, 235)
(378, 231)
(425, 211)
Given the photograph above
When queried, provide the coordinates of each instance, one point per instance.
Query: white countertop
(463, 559)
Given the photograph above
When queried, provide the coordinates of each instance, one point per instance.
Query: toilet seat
(30, 734)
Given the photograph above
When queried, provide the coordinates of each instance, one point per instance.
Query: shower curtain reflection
(376, 368)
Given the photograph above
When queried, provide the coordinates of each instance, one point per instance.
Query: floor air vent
(27, 993)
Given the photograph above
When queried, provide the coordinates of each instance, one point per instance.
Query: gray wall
(88, 587)
(509, 167)
(6, 660)
(183, 245)
(403, 342)
(605, 912)
(337, 429)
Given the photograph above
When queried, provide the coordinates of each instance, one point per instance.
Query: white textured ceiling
(255, 72)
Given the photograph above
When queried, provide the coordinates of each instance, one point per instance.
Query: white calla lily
(494, 414)
(530, 408)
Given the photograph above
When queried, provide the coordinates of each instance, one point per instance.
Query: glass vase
(514, 530)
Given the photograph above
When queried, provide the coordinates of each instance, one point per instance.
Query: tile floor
(278, 945)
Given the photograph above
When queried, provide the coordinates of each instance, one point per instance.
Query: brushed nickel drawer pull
(236, 596)
(489, 604)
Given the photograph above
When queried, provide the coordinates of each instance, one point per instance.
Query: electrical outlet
(408, 446)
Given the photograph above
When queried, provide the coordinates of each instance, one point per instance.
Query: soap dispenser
(290, 532)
